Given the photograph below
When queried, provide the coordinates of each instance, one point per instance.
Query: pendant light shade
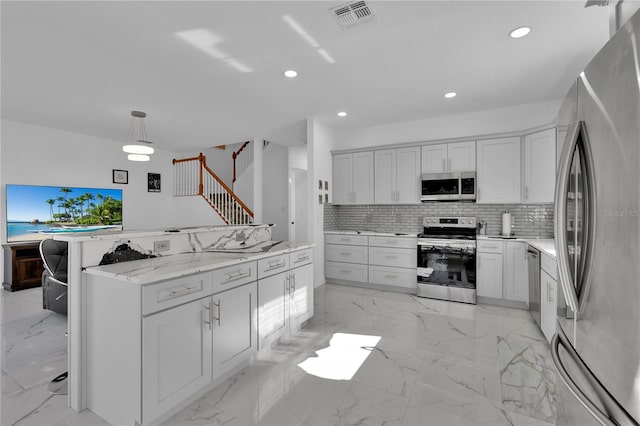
(138, 157)
(140, 148)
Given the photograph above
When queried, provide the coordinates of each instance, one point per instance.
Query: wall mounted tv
(38, 212)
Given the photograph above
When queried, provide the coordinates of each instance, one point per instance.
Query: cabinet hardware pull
(346, 254)
(391, 276)
(345, 271)
(239, 275)
(287, 286)
(391, 257)
(444, 166)
(181, 292)
(219, 312)
(293, 286)
(275, 265)
(210, 315)
(301, 259)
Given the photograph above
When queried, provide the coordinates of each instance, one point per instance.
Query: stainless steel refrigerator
(597, 230)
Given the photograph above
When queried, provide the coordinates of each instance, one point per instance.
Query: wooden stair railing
(194, 177)
(234, 156)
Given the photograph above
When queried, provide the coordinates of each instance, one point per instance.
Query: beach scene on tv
(38, 212)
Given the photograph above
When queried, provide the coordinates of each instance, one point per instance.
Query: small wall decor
(326, 185)
(120, 176)
(320, 199)
(320, 184)
(326, 198)
(153, 182)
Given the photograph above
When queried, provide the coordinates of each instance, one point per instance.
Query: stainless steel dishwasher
(533, 265)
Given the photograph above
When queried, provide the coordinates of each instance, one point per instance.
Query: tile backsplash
(528, 220)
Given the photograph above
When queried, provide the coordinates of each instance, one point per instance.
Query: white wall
(35, 155)
(220, 162)
(501, 120)
(275, 194)
(320, 141)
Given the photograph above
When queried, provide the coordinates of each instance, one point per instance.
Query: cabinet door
(385, 177)
(408, 175)
(461, 156)
(499, 170)
(539, 167)
(300, 296)
(176, 356)
(234, 327)
(489, 271)
(272, 308)
(434, 158)
(516, 279)
(548, 303)
(342, 178)
(362, 178)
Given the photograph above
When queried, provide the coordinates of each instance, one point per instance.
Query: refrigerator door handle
(616, 415)
(577, 131)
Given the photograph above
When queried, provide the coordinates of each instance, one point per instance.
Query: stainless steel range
(447, 259)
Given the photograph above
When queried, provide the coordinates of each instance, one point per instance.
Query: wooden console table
(22, 266)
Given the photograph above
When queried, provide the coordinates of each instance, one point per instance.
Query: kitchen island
(161, 332)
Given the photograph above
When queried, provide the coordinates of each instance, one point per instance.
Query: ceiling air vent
(353, 13)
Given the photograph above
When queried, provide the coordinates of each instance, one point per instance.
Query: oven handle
(446, 246)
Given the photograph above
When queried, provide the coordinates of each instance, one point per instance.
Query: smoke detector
(353, 13)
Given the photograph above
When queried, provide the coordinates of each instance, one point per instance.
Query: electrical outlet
(240, 236)
(398, 218)
(159, 246)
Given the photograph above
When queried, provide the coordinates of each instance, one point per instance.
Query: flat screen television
(38, 212)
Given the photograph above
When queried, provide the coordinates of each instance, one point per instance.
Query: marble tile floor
(394, 359)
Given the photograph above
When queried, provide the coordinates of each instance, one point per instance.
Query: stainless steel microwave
(458, 186)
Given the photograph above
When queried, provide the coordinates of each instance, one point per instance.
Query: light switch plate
(159, 246)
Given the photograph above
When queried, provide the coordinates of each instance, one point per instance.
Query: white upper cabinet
(451, 157)
(353, 178)
(397, 176)
(539, 167)
(498, 175)
(434, 158)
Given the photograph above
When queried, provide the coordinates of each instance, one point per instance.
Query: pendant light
(138, 149)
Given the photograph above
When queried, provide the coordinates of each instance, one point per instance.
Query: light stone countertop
(373, 233)
(147, 271)
(545, 245)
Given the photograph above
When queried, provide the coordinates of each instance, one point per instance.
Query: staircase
(192, 177)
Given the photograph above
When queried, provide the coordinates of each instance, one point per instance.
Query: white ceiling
(84, 65)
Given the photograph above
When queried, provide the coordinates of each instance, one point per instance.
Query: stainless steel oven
(460, 186)
(447, 259)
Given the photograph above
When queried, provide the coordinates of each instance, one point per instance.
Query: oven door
(440, 187)
(447, 265)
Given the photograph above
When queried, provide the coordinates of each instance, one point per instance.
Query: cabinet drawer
(490, 246)
(399, 277)
(233, 276)
(273, 265)
(350, 254)
(410, 243)
(346, 271)
(396, 257)
(549, 265)
(156, 297)
(354, 240)
(300, 257)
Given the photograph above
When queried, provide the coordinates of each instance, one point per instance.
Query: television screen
(38, 212)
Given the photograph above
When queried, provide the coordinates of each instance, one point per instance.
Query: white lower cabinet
(549, 305)
(516, 279)
(176, 356)
(285, 299)
(165, 342)
(387, 260)
(232, 318)
(272, 299)
(489, 275)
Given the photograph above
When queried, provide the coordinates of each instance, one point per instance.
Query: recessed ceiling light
(290, 73)
(450, 95)
(520, 32)
(342, 114)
